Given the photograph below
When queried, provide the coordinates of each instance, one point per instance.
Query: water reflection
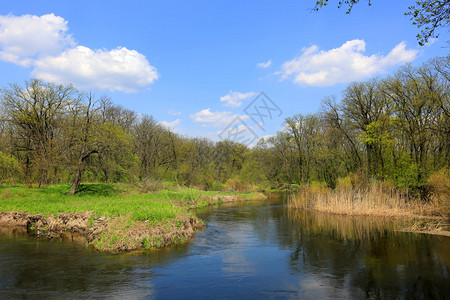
(248, 250)
(366, 258)
(33, 268)
(344, 227)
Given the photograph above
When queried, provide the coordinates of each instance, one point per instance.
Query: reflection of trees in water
(340, 256)
(343, 227)
(42, 268)
(363, 257)
(367, 256)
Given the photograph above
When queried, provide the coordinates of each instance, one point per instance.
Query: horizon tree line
(395, 128)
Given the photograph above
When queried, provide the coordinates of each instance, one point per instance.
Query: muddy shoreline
(104, 234)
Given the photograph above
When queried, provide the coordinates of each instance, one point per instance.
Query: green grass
(111, 200)
(122, 204)
(102, 199)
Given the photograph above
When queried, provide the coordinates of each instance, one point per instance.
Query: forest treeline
(393, 129)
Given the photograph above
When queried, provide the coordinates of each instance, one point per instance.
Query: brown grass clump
(372, 198)
(238, 185)
(439, 184)
(439, 226)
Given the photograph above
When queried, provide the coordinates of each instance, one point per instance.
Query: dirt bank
(105, 234)
(67, 222)
(120, 233)
(124, 234)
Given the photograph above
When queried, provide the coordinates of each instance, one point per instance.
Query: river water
(252, 250)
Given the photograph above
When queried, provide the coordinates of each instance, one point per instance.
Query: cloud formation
(342, 65)
(171, 125)
(117, 70)
(44, 44)
(24, 38)
(233, 99)
(264, 64)
(173, 112)
(215, 119)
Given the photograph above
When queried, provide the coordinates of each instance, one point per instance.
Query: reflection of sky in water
(235, 262)
(247, 251)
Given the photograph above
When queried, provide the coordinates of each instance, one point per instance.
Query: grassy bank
(112, 216)
(375, 199)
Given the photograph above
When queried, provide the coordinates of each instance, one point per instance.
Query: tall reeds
(372, 198)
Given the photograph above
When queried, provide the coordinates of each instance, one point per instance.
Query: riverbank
(377, 200)
(111, 217)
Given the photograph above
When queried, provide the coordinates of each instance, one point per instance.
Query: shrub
(238, 185)
(8, 166)
(216, 186)
(344, 183)
(151, 185)
(439, 185)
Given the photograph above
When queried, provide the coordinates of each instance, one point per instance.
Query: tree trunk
(107, 177)
(76, 182)
(43, 180)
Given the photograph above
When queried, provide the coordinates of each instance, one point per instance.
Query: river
(251, 250)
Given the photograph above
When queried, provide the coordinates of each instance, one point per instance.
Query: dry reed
(375, 198)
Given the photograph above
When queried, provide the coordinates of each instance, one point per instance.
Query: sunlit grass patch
(119, 217)
(105, 200)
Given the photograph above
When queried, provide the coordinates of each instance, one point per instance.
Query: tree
(197, 158)
(364, 104)
(8, 166)
(268, 159)
(414, 92)
(332, 116)
(109, 162)
(348, 3)
(429, 15)
(86, 134)
(228, 158)
(154, 146)
(426, 14)
(35, 112)
(286, 159)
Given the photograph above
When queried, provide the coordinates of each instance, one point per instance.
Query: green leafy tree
(427, 15)
(86, 135)
(34, 112)
(8, 167)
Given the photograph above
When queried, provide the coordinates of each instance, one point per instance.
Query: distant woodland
(394, 129)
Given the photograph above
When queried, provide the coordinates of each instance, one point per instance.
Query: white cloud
(43, 43)
(431, 41)
(233, 99)
(216, 119)
(171, 125)
(267, 136)
(264, 64)
(174, 113)
(117, 70)
(343, 64)
(27, 36)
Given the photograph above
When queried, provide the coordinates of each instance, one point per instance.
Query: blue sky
(176, 60)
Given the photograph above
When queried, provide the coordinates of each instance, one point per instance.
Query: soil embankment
(121, 233)
(105, 234)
